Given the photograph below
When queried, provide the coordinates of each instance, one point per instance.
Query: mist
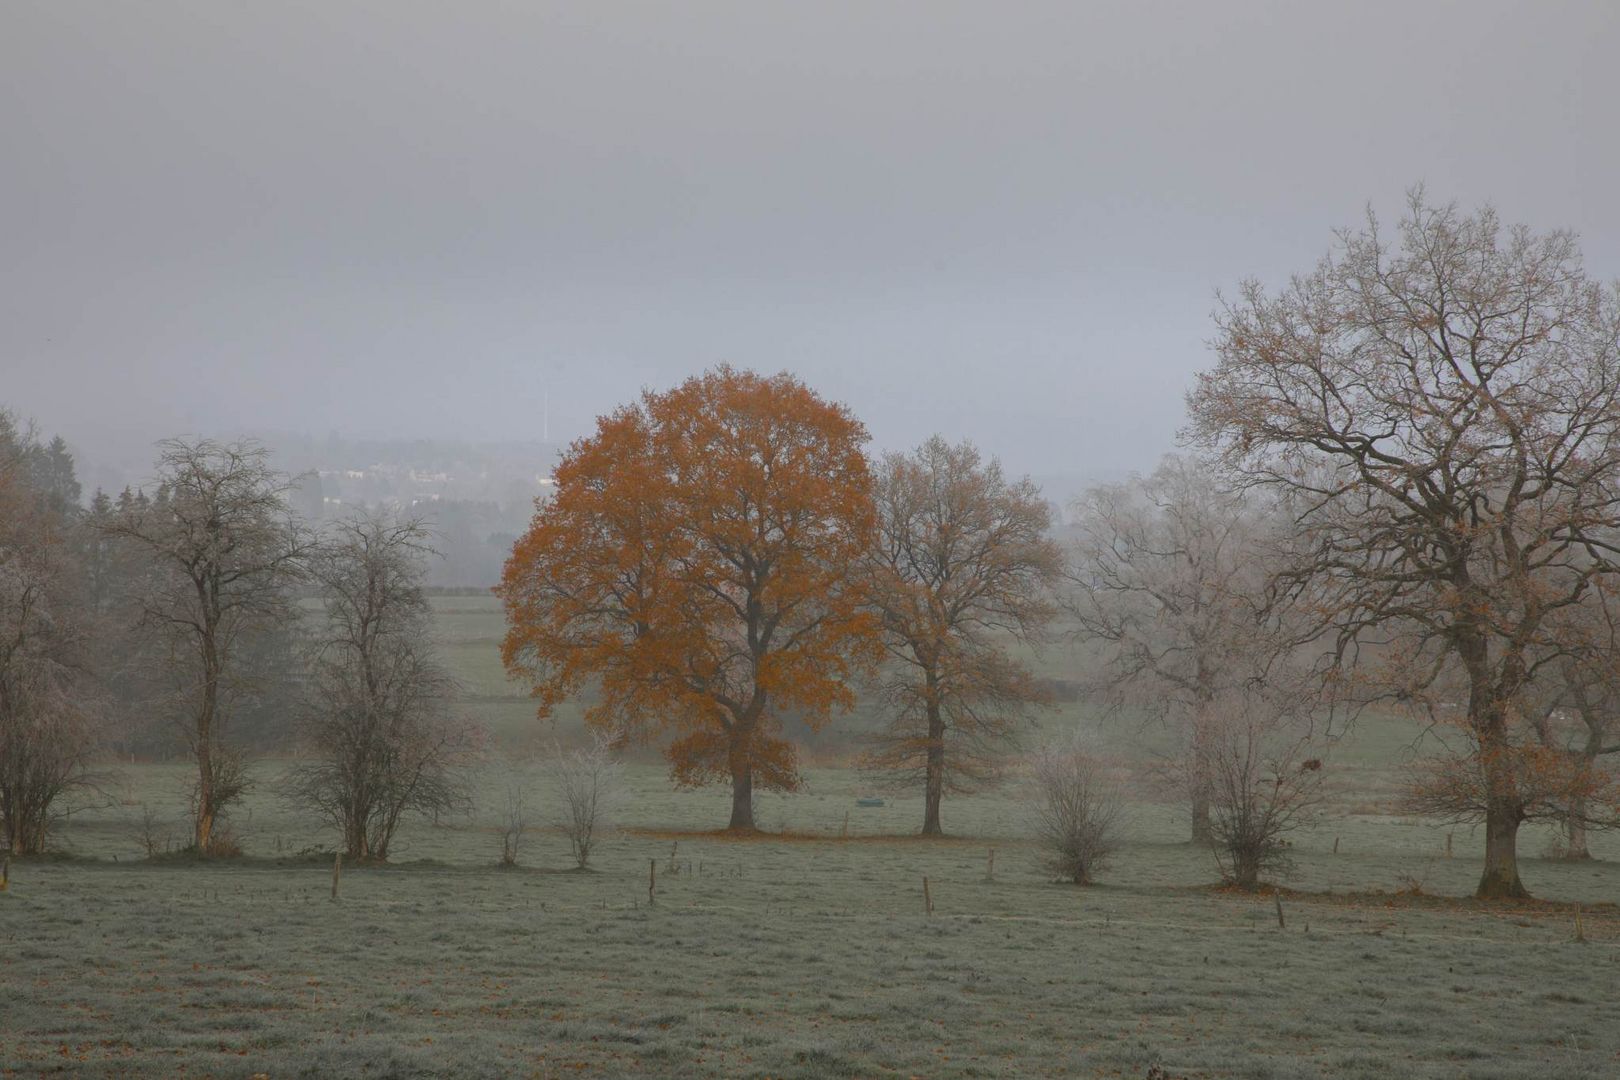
(387, 221)
(839, 539)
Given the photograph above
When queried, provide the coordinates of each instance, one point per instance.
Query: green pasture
(808, 952)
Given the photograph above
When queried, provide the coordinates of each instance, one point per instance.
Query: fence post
(337, 872)
(652, 880)
(928, 900)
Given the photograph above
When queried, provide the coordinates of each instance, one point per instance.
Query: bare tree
(1580, 716)
(221, 551)
(376, 724)
(1264, 783)
(1076, 811)
(1168, 579)
(1559, 743)
(1444, 416)
(962, 568)
(46, 735)
(1592, 794)
(589, 786)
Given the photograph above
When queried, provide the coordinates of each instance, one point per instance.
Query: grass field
(807, 954)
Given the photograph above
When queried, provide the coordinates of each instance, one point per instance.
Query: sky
(1000, 221)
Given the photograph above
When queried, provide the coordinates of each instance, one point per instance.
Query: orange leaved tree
(694, 562)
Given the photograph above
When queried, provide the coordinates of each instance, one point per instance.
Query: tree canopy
(1442, 413)
(963, 568)
(695, 564)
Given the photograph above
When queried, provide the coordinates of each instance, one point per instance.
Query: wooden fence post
(928, 900)
(5, 873)
(652, 880)
(337, 872)
(1281, 925)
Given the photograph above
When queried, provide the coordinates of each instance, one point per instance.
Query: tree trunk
(1575, 828)
(8, 814)
(1201, 781)
(1246, 871)
(205, 828)
(205, 746)
(1201, 831)
(742, 796)
(25, 827)
(1575, 823)
(205, 796)
(935, 783)
(1500, 881)
(1504, 809)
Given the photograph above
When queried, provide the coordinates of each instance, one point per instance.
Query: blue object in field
(868, 802)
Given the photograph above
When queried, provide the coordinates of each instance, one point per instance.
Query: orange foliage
(693, 564)
(1544, 781)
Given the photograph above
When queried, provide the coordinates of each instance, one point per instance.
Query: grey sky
(998, 220)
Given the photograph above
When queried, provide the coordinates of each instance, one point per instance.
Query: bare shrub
(1077, 813)
(223, 841)
(45, 747)
(514, 820)
(1263, 785)
(589, 783)
(153, 833)
(1412, 884)
(377, 724)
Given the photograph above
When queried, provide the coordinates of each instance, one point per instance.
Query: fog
(1005, 222)
(386, 748)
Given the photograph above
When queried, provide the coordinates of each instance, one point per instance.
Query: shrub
(589, 783)
(1262, 786)
(1076, 814)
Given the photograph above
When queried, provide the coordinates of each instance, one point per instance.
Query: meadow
(807, 952)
